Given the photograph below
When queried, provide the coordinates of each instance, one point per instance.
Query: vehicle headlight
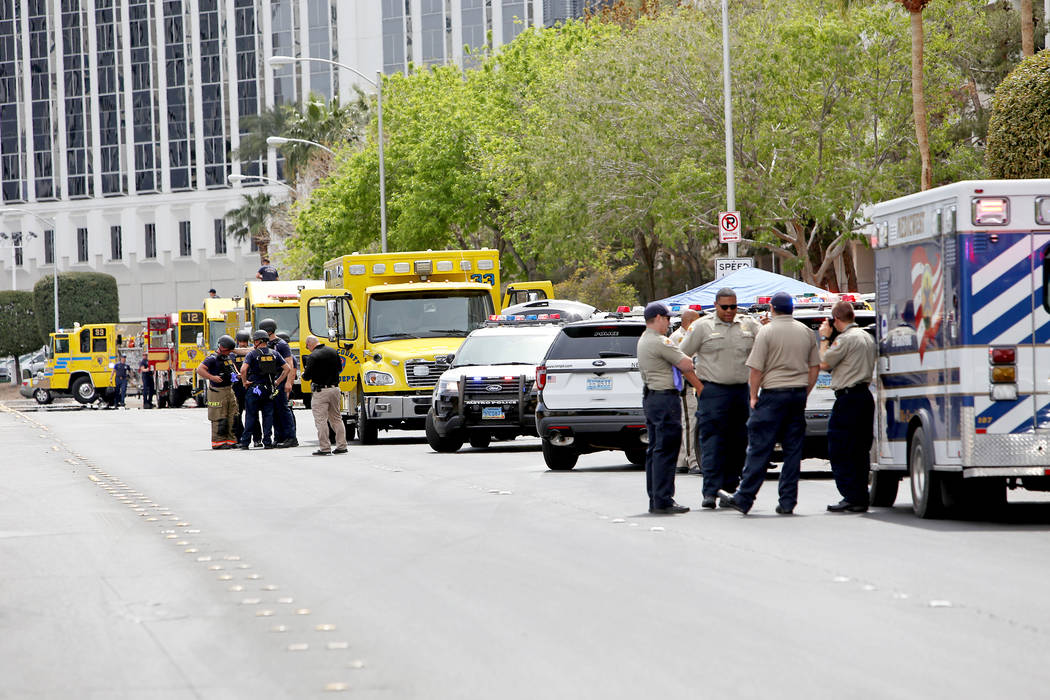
(374, 378)
(448, 386)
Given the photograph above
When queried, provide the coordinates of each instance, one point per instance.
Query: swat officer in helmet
(262, 371)
(283, 420)
(244, 342)
(218, 369)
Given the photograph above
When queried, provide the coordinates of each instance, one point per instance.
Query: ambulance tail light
(1002, 356)
(541, 377)
(991, 211)
(1004, 375)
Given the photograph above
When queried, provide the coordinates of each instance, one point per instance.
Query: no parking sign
(729, 227)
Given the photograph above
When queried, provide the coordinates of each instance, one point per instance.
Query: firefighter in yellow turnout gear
(220, 371)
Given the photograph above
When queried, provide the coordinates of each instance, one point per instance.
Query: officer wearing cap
(849, 352)
(784, 364)
(218, 369)
(720, 345)
(262, 370)
(658, 362)
(283, 420)
(244, 341)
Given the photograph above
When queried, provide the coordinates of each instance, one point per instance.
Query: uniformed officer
(687, 463)
(219, 370)
(283, 420)
(658, 359)
(244, 341)
(784, 364)
(720, 345)
(262, 370)
(849, 352)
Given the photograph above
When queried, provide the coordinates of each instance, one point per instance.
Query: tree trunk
(1027, 29)
(918, 100)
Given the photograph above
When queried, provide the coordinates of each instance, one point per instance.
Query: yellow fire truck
(279, 300)
(80, 360)
(397, 318)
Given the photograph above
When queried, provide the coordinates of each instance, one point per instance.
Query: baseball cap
(654, 309)
(782, 303)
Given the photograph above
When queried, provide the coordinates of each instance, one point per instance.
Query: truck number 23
(488, 278)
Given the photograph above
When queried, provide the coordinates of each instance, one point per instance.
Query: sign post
(725, 266)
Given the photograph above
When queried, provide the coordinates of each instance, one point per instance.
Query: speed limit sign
(729, 227)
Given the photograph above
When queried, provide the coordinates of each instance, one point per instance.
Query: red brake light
(848, 297)
(541, 376)
(623, 309)
(763, 300)
(1002, 356)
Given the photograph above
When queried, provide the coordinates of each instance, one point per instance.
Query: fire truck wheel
(367, 432)
(883, 488)
(162, 399)
(199, 398)
(479, 440)
(927, 497)
(83, 390)
(43, 396)
(448, 443)
(351, 430)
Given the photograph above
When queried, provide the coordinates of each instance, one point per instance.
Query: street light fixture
(281, 140)
(54, 253)
(234, 179)
(378, 85)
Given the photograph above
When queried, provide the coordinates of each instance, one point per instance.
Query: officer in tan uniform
(849, 352)
(720, 345)
(784, 364)
(658, 360)
(687, 462)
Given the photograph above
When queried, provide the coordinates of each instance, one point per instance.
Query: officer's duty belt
(647, 390)
(855, 387)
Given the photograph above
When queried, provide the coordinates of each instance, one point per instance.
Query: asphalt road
(139, 564)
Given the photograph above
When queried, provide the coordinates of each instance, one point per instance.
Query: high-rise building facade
(120, 121)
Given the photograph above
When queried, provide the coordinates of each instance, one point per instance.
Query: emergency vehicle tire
(43, 396)
(636, 456)
(351, 430)
(479, 440)
(84, 391)
(883, 485)
(179, 395)
(927, 494)
(448, 443)
(559, 459)
(199, 398)
(367, 432)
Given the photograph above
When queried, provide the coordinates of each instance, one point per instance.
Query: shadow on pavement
(1013, 516)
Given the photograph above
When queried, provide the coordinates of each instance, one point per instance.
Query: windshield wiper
(387, 336)
(613, 353)
(450, 331)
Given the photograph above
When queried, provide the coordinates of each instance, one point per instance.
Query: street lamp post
(54, 253)
(235, 179)
(378, 85)
(281, 140)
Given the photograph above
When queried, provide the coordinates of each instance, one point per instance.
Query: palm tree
(271, 122)
(1027, 29)
(252, 220)
(918, 91)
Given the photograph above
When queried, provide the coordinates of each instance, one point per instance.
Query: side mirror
(331, 335)
(200, 340)
(450, 357)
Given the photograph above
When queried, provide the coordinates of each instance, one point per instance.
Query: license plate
(492, 413)
(823, 380)
(599, 384)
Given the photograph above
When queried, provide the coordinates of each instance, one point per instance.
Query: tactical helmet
(260, 335)
(268, 325)
(285, 337)
(243, 336)
(225, 341)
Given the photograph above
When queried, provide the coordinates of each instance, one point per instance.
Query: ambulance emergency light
(991, 211)
(1042, 211)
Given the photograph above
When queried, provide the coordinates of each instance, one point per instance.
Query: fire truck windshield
(424, 315)
(286, 318)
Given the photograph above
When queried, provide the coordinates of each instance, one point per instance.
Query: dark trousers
(147, 390)
(238, 423)
(849, 443)
(120, 391)
(722, 412)
(254, 405)
(779, 416)
(283, 420)
(663, 423)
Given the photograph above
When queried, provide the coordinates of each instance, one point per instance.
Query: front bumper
(397, 407)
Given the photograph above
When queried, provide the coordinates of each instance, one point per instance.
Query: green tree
(252, 221)
(19, 332)
(1019, 130)
(83, 297)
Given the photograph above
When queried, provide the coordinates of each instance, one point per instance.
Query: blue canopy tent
(749, 284)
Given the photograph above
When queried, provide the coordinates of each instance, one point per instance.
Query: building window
(213, 103)
(16, 242)
(320, 37)
(49, 247)
(220, 236)
(394, 34)
(179, 129)
(151, 241)
(185, 242)
(108, 57)
(116, 243)
(82, 245)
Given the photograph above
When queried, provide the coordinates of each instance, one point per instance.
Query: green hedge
(19, 333)
(1019, 129)
(83, 297)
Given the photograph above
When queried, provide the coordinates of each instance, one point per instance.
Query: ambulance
(963, 324)
(398, 319)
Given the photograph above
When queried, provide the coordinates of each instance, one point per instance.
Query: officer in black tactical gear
(219, 370)
(283, 421)
(262, 371)
(244, 343)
